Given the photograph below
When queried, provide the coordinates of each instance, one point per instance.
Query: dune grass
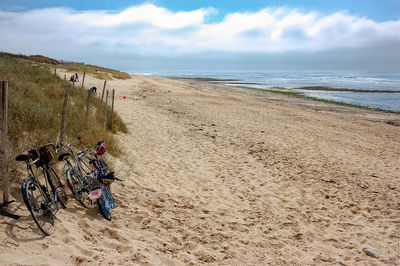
(35, 102)
(98, 72)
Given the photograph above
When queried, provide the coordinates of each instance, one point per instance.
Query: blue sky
(200, 33)
(379, 10)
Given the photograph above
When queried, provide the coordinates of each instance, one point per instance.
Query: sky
(203, 34)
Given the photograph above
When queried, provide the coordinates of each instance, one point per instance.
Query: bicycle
(79, 177)
(42, 200)
(105, 177)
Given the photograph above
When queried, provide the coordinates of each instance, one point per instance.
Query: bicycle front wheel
(105, 203)
(59, 188)
(84, 163)
(38, 205)
(78, 188)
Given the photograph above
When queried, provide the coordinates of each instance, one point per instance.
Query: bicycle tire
(62, 196)
(84, 163)
(38, 205)
(78, 188)
(104, 210)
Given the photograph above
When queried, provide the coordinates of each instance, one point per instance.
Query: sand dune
(231, 177)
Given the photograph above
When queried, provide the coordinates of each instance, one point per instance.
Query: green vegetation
(35, 103)
(36, 58)
(98, 72)
(301, 95)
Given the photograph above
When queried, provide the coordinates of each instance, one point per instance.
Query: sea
(387, 80)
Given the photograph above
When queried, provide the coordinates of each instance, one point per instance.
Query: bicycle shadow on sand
(24, 229)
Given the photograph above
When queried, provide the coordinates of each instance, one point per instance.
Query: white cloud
(148, 14)
(148, 29)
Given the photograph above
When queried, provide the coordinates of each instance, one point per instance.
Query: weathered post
(104, 87)
(112, 109)
(55, 72)
(4, 149)
(87, 106)
(83, 79)
(105, 110)
(64, 114)
(65, 78)
(4, 140)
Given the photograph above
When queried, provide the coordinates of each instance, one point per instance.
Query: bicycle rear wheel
(58, 186)
(38, 205)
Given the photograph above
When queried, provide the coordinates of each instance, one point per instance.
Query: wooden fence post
(83, 79)
(64, 114)
(105, 111)
(104, 87)
(112, 108)
(55, 72)
(4, 149)
(4, 139)
(87, 106)
(65, 78)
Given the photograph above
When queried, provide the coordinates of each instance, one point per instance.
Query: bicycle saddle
(63, 155)
(22, 157)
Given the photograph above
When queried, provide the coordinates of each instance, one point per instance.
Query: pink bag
(95, 194)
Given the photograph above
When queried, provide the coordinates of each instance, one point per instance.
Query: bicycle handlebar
(69, 145)
(93, 150)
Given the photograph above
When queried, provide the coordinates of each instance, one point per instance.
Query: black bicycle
(42, 199)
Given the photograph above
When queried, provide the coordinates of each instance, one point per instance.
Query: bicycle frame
(77, 157)
(44, 169)
(48, 188)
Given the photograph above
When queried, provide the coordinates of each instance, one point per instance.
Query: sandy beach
(230, 176)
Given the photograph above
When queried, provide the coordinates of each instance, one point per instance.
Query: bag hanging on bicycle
(106, 178)
(43, 154)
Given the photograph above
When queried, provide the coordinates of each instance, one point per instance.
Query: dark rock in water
(370, 251)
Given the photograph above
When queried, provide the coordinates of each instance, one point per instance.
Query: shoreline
(312, 88)
(299, 94)
(294, 92)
